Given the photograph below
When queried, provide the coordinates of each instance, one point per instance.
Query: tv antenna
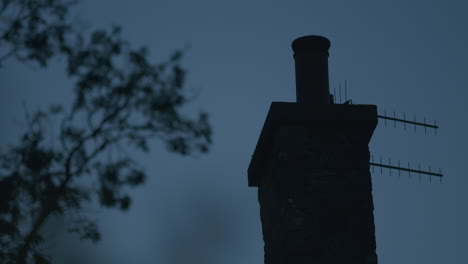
(342, 98)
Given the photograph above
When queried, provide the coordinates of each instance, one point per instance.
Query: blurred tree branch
(120, 97)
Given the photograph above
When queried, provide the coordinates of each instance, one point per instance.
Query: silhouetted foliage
(121, 98)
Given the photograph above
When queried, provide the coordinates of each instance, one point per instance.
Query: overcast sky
(404, 56)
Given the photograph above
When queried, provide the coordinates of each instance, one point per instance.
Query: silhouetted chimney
(311, 167)
(311, 60)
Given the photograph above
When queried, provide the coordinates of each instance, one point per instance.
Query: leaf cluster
(34, 30)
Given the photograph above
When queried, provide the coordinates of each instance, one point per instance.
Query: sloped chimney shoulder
(339, 116)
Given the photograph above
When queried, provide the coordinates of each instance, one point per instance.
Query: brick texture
(311, 167)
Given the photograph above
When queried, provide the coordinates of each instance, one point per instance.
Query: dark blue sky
(405, 56)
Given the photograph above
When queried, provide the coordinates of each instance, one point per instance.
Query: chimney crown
(311, 43)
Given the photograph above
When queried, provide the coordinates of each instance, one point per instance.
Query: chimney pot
(311, 63)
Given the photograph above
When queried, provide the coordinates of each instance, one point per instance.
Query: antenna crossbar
(405, 169)
(407, 121)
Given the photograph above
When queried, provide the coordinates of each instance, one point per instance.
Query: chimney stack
(311, 167)
(311, 61)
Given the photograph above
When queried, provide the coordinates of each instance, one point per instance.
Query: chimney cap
(311, 43)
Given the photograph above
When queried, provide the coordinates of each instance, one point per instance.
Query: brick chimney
(311, 167)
